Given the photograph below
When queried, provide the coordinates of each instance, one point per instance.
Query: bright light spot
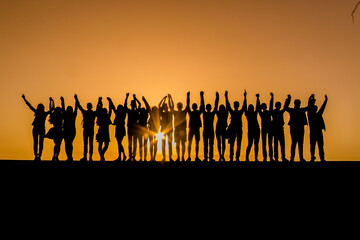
(159, 137)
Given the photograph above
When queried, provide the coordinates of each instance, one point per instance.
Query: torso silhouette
(39, 120)
(180, 119)
(88, 119)
(133, 117)
(253, 124)
(208, 120)
(120, 118)
(221, 123)
(154, 122)
(236, 119)
(143, 118)
(166, 121)
(265, 116)
(278, 119)
(297, 117)
(69, 123)
(316, 120)
(195, 120)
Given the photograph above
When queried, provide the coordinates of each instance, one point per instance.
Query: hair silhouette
(208, 129)
(234, 130)
(88, 124)
(38, 131)
(316, 124)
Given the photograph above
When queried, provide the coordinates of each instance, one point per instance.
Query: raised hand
(226, 93)
(201, 93)
(257, 95)
(272, 94)
(75, 96)
(23, 96)
(217, 94)
(188, 93)
(109, 99)
(127, 94)
(326, 97)
(245, 93)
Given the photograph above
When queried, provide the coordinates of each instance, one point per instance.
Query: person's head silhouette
(236, 105)
(120, 108)
(251, 108)
(133, 104)
(208, 107)
(89, 106)
(277, 105)
(222, 108)
(69, 110)
(40, 108)
(297, 103)
(263, 106)
(194, 106)
(155, 110)
(179, 106)
(165, 107)
(315, 108)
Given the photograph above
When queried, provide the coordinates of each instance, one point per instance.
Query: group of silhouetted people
(144, 123)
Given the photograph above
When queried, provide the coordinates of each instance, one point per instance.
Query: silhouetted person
(277, 128)
(166, 127)
(208, 128)
(234, 130)
(180, 125)
(56, 132)
(154, 126)
(297, 122)
(69, 128)
(88, 124)
(143, 133)
(253, 128)
(119, 122)
(38, 131)
(266, 132)
(194, 129)
(132, 124)
(220, 132)
(316, 124)
(103, 121)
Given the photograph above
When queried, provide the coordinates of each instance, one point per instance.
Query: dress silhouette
(154, 126)
(317, 125)
(143, 133)
(69, 128)
(208, 129)
(166, 127)
(194, 129)
(179, 125)
(56, 132)
(132, 124)
(297, 122)
(38, 131)
(88, 124)
(234, 130)
(253, 128)
(220, 132)
(103, 121)
(119, 122)
(277, 128)
(266, 133)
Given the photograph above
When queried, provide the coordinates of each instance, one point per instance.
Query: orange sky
(151, 48)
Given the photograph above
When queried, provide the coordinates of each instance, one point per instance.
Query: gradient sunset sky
(152, 48)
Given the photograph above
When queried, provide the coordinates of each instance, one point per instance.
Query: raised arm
(138, 102)
(75, 109)
(271, 102)
(171, 102)
(27, 103)
(111, 104)
(146, 104)
(126, 101)
(228, 106)
(77, 103)
(287, 103)
(99, 105)
(161, 103)
(51, 105)
(202, 102)
(321, 111)
(216, 102)
(244, 107)
(187, 102)
(62, 103)
(257, 109)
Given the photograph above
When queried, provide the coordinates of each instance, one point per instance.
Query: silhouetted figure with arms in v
(180, 125)
(266, 133)
(88, 124)
(166, 127)
(143, 132)
(277, 128)
(56, 132)
(154, 126)
(132, 124)
(297, 122)
(220, 132)
(234, 130)
(69, 128)
(316, 124)
(208, 129)
(103, 121)
(194, 129)
(253, 128)
(119, 122)
(38, 131)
